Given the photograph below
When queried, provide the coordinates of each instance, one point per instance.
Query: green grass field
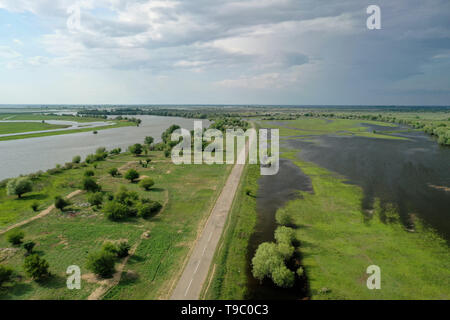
(316, 127)
(63, 239)
(17, 127)
(41, 116)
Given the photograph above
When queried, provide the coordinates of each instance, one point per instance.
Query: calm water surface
(34, 154)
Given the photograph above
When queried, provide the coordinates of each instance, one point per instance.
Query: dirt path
(40, 215)
(196, 270)
(107, 284)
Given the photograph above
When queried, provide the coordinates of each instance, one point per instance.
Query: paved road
(196, 270)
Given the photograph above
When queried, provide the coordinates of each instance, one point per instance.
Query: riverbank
(19, 127)
(115, 124)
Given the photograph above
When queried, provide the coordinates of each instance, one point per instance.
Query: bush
(19, 186)
(146, 183)
(90, 185)
(95, 199)
(149, 140)
(101, 263)
(116, 151)
(286, 250)
(136, 149)
(76, 159)
(126, 197)
(132, 175)
(283, 277)
(90, 158)
(29, 246)
(266, 259)
(149, 209)
(110, 247)
(114, 210)
(167, 153)
(35, 206)
(61, 203)
(113, 172)
(5, 274)
(89, 173)
(300, 272)
(15, 236)
(283, 218)
(123, 250)
(284, 235)
(36, 267)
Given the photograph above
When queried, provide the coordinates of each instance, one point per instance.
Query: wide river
(30, 155)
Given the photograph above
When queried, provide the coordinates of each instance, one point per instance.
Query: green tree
(115, 211)
(148, 209)
(90, 185)
(35, 206)
(15, 236)
(113, 172)
(29, 246)
(123, 250)
(5, 274)
(284, 235)
(36, 267)
(286, 250)
(266, 259)
(76, 159)
(89, 173)
(131, 175)
(136, 149)
(101, 263)
(283, 218)
(146, 183)
(19, 186)
(61, 203)
(110, 247)
(149, 140)
(283, 277)
(95, 199)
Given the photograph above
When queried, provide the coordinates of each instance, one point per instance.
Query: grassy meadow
(18, 127)
(187, 193)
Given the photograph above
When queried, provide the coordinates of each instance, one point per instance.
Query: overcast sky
(224, 52)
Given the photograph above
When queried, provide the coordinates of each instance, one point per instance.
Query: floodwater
(30, 155)
(412, 175)
(274, 192)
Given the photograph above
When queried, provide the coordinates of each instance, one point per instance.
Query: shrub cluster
(270, 258)
(125, 204)
(102, 262)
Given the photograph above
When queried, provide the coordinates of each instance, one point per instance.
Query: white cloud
(18, 42)
(8, 53)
